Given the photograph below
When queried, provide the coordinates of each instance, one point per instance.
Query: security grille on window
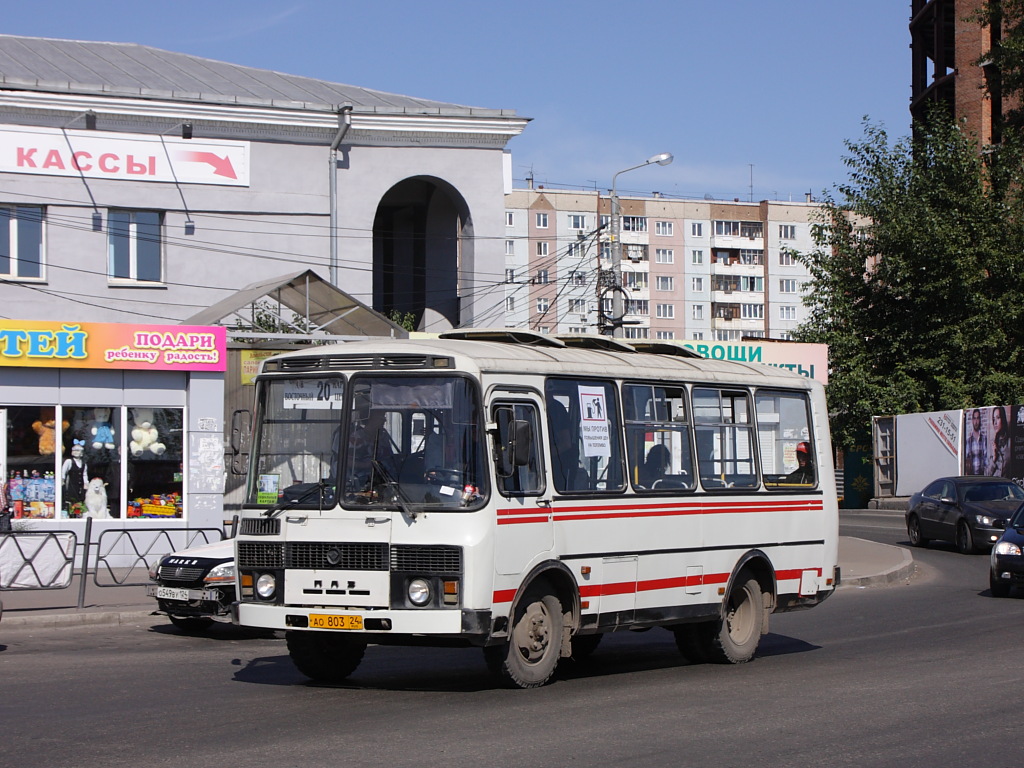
(134, 245)
(21, 241)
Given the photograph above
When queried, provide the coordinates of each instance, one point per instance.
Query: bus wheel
(529, 658)
(325, 657)
(734, 639)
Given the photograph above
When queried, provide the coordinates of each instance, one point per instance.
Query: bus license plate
(335, 621)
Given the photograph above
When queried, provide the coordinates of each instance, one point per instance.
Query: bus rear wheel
(323, 656)
(733, 639)
(529, 657)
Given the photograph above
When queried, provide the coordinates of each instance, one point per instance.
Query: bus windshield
(296, 443)
(414, 442)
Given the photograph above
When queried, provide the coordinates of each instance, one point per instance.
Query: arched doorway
(422, 243)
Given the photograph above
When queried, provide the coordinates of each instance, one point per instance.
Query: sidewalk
(863, 564)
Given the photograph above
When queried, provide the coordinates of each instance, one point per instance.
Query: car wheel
(914, 532)
(996, 587)
(964, 539)
(191, 623)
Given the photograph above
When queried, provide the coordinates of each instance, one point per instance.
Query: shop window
(154, 458)
(72, 462)
(90, 470)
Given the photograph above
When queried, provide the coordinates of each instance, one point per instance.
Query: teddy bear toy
(102, 430)
(46, 428)
(145, 437)
(96, 498)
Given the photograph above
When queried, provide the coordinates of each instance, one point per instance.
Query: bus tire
(323, 656)
(529, 657)
(733, 639)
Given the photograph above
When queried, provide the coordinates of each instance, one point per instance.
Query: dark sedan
(1006, 563)
(969, 511)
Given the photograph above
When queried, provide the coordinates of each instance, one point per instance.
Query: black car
(195, 587)
(1006, 563)
(970, 511)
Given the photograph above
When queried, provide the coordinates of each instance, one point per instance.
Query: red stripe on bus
(618, 511)
(651, 585)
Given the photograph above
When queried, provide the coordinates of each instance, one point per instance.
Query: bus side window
(517, 449)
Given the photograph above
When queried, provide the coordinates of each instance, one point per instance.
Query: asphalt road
(924, 673)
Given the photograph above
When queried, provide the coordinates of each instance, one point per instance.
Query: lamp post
(615, 327)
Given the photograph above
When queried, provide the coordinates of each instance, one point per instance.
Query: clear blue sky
(721, 84)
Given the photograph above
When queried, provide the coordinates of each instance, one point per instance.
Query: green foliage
(407, 320)
(1004, 62)
(917, 276)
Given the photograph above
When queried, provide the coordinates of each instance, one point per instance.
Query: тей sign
(124, 156)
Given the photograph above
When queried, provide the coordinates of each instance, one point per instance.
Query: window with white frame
(786, 258)
(578, 306)
(635, 280)
(697, 310)
(638, 307)
(577, 329)
(632, 332)
(577, 221)
(634, 223)
(787, 231)
(542, 277)
(542, 305)
(605, 251)
(752, 311)
(787, 285)
(545, 329)
(697, 335)
(697, 256)
(510, 303)
(574, 250)
(510, 218)
(542, 221)
(665, 311)
(664, 256)
(21, 242)
(578, 278)
(510, 247)
(510, 275)
(665, 283)
(752, 256)
(134, 250)
(697, 229)
(787, 313)
(664, 335)
(663, 228)
(721, 335)
(697, 284)
(749, 283)
(542, 248)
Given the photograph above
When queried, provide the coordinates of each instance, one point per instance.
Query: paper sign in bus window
(594, 428)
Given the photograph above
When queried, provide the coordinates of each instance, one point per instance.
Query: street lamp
(616, 225)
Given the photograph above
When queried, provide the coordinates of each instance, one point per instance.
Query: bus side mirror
(522, 442)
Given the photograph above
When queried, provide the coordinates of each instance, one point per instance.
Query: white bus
(526, 494)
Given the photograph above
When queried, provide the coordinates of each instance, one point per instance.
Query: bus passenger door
(523, 529)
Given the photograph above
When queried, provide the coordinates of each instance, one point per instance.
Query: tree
(917, 276)
(1004, 62)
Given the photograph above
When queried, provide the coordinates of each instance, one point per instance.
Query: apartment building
(691, 269)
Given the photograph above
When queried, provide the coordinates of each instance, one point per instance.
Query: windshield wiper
(280, 507)
(396, 490)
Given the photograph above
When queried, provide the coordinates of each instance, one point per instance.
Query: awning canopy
(296, 307)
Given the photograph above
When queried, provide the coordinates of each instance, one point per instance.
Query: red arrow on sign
(221, 165)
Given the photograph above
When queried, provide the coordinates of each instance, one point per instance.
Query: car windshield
(993, 492)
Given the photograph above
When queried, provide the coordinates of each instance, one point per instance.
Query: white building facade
(692, 270)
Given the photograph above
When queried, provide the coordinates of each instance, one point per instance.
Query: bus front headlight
(265, 585)
(419, 592)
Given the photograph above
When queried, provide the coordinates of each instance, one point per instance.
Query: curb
(52, 620)
(901, 572)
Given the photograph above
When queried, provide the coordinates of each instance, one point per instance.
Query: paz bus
(527, 494)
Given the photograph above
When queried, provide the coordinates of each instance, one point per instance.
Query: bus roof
(517, 351)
